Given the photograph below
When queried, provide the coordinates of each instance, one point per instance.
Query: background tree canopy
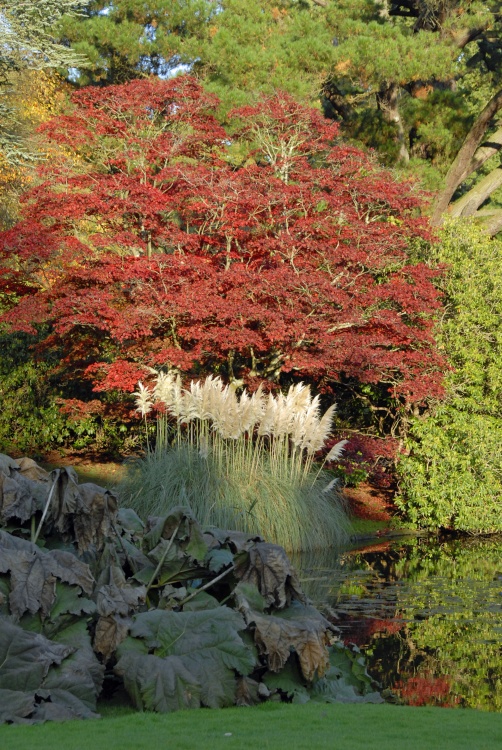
(407, 78)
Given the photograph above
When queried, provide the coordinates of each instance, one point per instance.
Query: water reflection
(428, 616)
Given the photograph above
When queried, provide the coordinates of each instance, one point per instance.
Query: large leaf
(189, 537)
(300, 628)
(25, 658)
(33, 574)
(346, 680)
(14, 705)
(195, 657)
(42, 679)
(76, 683)
(157, 684)
(267, 567)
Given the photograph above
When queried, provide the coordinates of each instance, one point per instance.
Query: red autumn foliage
(427, 690)
(150, 246)
(365, 457)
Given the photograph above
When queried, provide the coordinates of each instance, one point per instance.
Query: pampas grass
(243, 462)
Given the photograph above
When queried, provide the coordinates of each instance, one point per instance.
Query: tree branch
(491, 221)
(469, 203)
(459, 170)
(486, 150)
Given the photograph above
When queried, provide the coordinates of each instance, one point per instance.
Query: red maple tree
(264, 250)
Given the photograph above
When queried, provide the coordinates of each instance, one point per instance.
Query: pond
(427, 615)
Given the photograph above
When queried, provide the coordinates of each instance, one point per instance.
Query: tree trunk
(461, 167)
(487, 149)
(469, 203)
(387, 100)
(492, 221)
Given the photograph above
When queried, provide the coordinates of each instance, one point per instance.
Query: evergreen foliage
(452, 475)
(408, 79)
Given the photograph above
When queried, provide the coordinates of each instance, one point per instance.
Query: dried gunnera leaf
(83, 513)
(267, 567)
(31, 470)
(276, 637)
(96, 513)
(299, 627)
(116, 598)
(16, 499)
(110, 632)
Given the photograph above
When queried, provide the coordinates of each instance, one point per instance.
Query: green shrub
(452, 473)
(30, 421)
(35, 416)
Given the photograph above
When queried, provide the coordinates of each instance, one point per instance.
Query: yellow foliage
(36, 96)
(41, 95)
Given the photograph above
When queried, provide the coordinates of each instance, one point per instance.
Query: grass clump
(244, 463)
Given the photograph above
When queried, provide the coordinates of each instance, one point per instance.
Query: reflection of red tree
(426, 690)
(366, 629)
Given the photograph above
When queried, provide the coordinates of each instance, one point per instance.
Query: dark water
(427, 616)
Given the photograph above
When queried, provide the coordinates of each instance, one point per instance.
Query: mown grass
(273, 725)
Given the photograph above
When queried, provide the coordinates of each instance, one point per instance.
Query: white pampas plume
(144, 403)
(177, 398)
(164, 386)
(251, 409)
(268, 419)
(336, 451)
(331, 485)
(321, 431)
(311, 427)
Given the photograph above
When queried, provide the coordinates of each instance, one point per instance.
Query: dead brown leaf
(268, 568)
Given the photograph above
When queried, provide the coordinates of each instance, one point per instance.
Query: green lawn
(273, 725)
